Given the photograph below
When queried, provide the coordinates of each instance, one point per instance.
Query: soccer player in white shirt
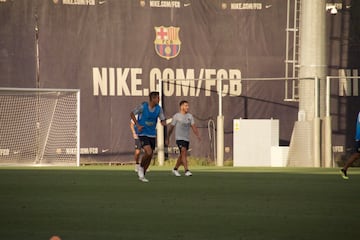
(182, 122)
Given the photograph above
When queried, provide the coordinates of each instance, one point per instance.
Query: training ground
(216, 203)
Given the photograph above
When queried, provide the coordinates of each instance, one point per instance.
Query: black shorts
(137, 143)
(183, 143)
(145, 140)
(357, 146)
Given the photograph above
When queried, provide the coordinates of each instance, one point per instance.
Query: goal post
(219, 159)
(39, 127)
(305, 137)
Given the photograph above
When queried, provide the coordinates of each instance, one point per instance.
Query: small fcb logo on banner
(167, 42)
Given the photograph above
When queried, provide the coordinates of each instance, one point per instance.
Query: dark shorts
(182, 143)
(144, 140)
(137, 144)
(357, 146)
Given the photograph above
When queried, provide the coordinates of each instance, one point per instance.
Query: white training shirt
(182, 123)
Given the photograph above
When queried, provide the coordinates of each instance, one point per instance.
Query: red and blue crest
(167, 42)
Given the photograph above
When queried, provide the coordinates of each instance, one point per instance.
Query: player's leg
(149, 150)
(183, 156)
(353, 158)
(145, 162)
(136, 158)
(177, 165)
(146, 158)
(179, 160)
(137, 154)
(183, 153)
(184, 159)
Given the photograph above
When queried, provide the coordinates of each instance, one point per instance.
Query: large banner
(117, 51)
(17, 43)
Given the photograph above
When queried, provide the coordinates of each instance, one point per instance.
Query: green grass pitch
(88, 203)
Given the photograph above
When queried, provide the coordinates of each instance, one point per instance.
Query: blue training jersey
(357, 137)
(148, 119)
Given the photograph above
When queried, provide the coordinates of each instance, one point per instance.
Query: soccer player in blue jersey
(356, 154)
(148, 113)
(182, 122)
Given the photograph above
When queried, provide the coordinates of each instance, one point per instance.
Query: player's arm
(132, 128)
(139, 127)
(132, 115)
(170, 131)
(162, 117)
(196, 131)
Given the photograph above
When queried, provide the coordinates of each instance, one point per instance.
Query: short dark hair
(153, 95)
(183, 102)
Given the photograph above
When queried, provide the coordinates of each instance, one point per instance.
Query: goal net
(39, 127)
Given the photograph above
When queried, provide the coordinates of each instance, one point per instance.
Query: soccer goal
(39, 127)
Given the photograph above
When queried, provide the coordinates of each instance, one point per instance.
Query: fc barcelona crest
(167, 42)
